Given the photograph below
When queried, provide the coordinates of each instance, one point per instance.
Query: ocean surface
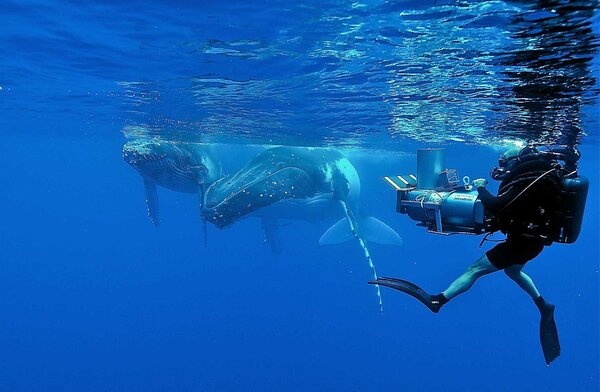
(93, 297)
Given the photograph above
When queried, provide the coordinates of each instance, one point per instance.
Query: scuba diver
(528, 209)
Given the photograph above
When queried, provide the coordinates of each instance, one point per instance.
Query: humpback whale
(298, 183)
(181, 167)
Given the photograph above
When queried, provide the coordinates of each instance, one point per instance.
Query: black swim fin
(548, 331)
(433, 302)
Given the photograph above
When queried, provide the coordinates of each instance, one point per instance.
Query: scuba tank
(556, 213)
(570, 217)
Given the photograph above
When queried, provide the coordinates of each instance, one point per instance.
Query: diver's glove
(478, 183)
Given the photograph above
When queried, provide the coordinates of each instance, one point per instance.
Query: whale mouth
(136, 158)
(147, 160)
(233, 198)
(166, 165)
(152, 155)
(140, 152)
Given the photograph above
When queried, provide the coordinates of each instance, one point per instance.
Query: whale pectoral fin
(337, 234)
(373, 230)
(152, 202)
(270, 229)
(201, 192)
(205, 232)
(340, 188)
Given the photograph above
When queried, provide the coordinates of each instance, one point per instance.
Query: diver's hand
(478, 183)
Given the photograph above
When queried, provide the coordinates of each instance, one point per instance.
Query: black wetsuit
(525, 217)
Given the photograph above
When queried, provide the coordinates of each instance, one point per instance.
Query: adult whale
(181, 167)
(298, 183)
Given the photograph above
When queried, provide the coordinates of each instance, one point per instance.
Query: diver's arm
(496, 203)
(490, 202)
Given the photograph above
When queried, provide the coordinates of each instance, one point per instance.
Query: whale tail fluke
(337, 234)
(369, 228)
(373, 230)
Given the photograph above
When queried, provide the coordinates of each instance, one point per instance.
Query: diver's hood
(507, 161)
(569, 155)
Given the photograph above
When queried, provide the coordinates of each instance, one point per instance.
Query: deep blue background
(94, 298)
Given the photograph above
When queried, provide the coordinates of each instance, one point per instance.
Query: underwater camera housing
(436, 200)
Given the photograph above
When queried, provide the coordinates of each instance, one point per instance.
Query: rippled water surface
(375, 73)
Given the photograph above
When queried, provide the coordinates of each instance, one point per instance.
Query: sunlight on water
(375, 74)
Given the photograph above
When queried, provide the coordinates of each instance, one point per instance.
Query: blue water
(94, 298)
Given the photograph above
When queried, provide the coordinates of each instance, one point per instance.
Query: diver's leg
(548, 330)
(435, 302)
(467, 279)
(523, 280)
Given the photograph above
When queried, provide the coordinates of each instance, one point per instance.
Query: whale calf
(180, 167)
(298, 183)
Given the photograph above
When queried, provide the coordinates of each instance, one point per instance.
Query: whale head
(176, 166)
(273, 175)
(148, 156)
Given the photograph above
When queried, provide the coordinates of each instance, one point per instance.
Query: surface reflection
(549, 70)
